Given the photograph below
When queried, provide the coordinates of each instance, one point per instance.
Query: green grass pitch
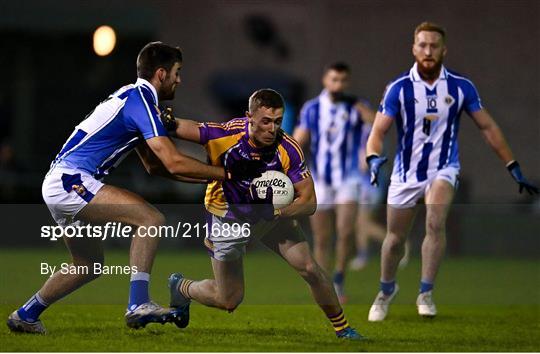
(484, 305)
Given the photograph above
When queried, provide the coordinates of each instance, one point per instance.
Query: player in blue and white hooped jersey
(75, 193)
(333, 123)
(426, 103)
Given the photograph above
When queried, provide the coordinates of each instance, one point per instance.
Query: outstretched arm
(495, 138)
(180, 128)
(493, 135)
(187, 130)
(180, 165)
(154, 166)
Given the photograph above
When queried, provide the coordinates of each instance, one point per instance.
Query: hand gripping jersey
(229, 142)
(427, 120)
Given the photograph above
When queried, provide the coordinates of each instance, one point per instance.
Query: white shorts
(228, 239)
(328, 196)
(67, 191)
(370, 196)
(403, 195)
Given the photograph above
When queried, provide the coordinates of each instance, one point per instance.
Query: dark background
(52, 79)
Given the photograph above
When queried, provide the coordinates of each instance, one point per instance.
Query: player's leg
(345, 214)
(287, 240)
(85, 252)
(122, 206)
(322, 224)
(367, 228)
(322, 227)
(361, 239)
(374, 230)
(225, 291)
(399, 223)
(438, 200)
(113, 204)
(65, 195)
(406, 255)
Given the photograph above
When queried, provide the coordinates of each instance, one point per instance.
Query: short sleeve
(297, 168)
(211, 130)
(471, 101)
(203, 133)
(143, 115)
(390, 104)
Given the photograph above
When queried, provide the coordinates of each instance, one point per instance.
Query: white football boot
(147, 313)
(16, 324)
(379, 309)
(425, 304)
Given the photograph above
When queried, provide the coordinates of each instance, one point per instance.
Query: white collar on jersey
(415, 76)
(148, 85)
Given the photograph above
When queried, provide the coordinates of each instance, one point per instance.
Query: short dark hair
(156, 55)
(339, 66)
(265, 98)
(429, 27)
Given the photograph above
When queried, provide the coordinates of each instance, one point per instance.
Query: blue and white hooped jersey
(427, 120)
(335, 130)
(107, 135)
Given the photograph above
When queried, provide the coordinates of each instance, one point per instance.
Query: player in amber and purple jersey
(257, 136)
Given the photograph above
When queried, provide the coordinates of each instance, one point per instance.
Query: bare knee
(152, 218)
(311, 272)
(394, 242)
(156, 219)
(85, 267)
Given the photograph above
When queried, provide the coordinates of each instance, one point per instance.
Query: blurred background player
(332, 122)
(74, 192)
(257, 136)
(426, 103)
(370, 200)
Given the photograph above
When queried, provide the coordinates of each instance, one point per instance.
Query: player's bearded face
(429, 51)
(335, 82)
(170, 83)
(264, 125)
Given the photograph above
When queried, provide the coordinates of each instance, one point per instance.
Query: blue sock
(425, 286)
(388, 287)
(339, 277)
(30, 311)
(138, 290)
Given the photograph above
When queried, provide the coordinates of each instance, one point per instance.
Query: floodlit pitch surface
(484, 305)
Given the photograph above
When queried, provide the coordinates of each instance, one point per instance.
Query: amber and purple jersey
(229, 142)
